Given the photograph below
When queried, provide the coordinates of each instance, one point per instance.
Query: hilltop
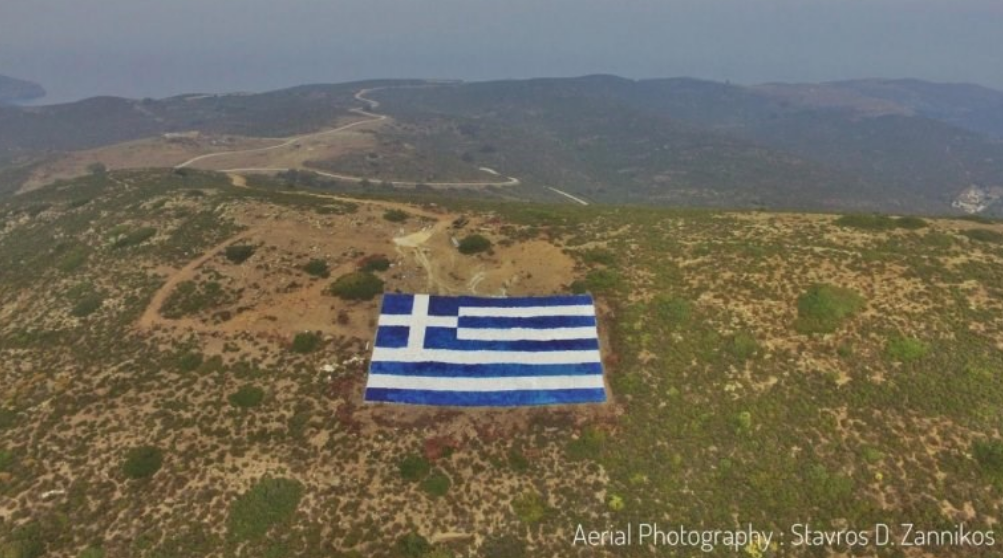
(180, 379)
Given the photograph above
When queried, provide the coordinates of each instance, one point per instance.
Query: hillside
(180, 382)
(866, 146)
(13, 90)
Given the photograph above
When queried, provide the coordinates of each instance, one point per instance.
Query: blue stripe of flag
(445, 338)
(446, 370)
(392, 337)
(539, 322)
(397, 304)
(515, 398)
(522, 302)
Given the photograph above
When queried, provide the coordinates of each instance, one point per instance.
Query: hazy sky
(78, 48)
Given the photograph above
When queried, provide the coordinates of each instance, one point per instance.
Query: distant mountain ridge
(904, 146)
(14, 90)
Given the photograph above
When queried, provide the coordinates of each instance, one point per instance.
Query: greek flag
(492, 352)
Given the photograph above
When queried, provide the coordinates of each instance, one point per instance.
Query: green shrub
(305, 342)
(395, 216)
(92, 552)
(984, 235)
(87, 305)
(360, 285)
(247, 397)
(190, 298)
(822, 308)
(743, 346)
(24, 542)
(142, 462)
(672, 311)
(6, 459)
(414, 468)
(599, 256)
(72, 260)
(474, 244)
(601, 280)
(589, 444)
(530, 508)
(7, 417)
(317, 268)
(506, 546)
(269, 503)
(239, 253)
(910, 223)
(134, 237)
(989, 455)
(190, 361)
(375, 263)
(905, 349)
(436, 484)
(413, 545)
(518, 461)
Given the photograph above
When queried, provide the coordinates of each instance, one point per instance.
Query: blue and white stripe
(475, 351)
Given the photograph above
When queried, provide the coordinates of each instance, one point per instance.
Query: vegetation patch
(414, 468)
(143, 462)
(359, 285)
(306, 342)
(530, 508)
(247, 397)
(880, 222)
(989, 455)
(905, 349)
(269, 503)
(87, 305)
(823, 308)
(984, 235)
(190, 298)
(413, 545)
(239, 253)
(317, 268)
(133, 237)
(474, 244)
(375, 262)
(395, 215)
(436, 484)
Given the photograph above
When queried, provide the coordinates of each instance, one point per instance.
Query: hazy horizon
(141, 49)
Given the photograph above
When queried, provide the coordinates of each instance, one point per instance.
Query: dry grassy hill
(179, 379)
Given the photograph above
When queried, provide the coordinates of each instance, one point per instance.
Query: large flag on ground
(473, 351)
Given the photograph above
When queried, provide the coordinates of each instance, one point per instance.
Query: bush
(984, 235)
(190, 361)
(395, 216)
(599, 256)
(880, 222)
(743, 346)
(268, 503)
(437, 484)
(905, 349)
(413, 545)
(87, 305)
(598, 280)
(989, 455)
(375, 263)
(589, 444)
(247, 397)
(306, 342)
(317, 268)
(72, 260)
(822, 308)
(92, 552)
(673, 311)
(143, 462)
(6, 459)
(137, 236)
(474, 244)
(239, 253)
(413, 468)
(360, 285)
(506, 546)
(189, 298)
(530, 508)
